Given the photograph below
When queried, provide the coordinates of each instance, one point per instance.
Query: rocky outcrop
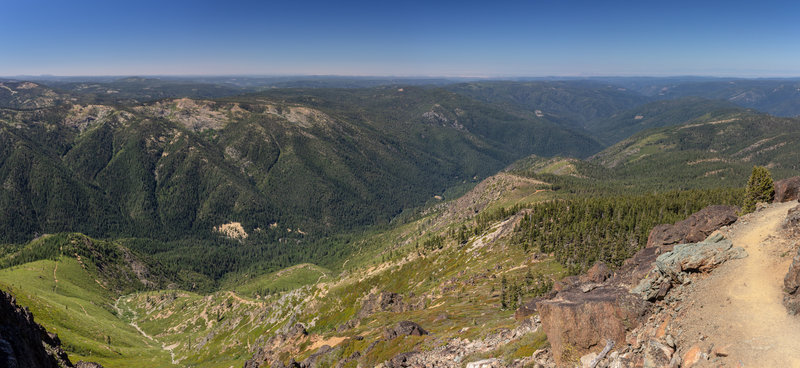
(792, 221)
(453, 353)
(791, 282)
(596, 275)
(663, 238)
(591, 309)
(267, 354)
(695, 228)
(404, 328)
(787, 189)
(529, 308)
(673, 267)
(576, 321)
(25, 343)
(382, 302)
(791, 286)
(402, 360)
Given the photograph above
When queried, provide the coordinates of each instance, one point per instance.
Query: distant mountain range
(216, 224)
(174, 160)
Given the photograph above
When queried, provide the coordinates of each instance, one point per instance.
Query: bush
(759, 189)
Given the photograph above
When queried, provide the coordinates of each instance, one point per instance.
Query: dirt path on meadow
(736, 313)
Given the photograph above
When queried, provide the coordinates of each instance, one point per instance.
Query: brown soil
(738, 308)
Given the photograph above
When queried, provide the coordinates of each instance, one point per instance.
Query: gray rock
(404, 328)
(674, 267)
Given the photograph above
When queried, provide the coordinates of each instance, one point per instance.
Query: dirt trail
(164, 346)
(739, 307)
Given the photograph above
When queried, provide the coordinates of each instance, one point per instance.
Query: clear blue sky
(402, 38)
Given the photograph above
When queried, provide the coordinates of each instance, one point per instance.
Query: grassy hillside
(71, 283)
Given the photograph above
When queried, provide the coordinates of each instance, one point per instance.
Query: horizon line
(390, 76)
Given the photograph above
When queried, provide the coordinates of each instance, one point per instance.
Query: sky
(400, 38)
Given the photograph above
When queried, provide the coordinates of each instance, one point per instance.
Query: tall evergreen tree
(759, 189)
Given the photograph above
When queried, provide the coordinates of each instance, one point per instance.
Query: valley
(384, 225)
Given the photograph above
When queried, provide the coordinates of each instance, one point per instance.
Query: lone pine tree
(759, 189)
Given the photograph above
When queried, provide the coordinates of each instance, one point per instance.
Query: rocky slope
(26, 344)
(719, 302)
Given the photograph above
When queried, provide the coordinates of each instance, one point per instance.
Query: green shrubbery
(581, 231)
(759, 189)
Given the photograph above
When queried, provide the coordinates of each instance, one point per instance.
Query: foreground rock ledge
(576, 322)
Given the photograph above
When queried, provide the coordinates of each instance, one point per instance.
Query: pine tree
(759, 189)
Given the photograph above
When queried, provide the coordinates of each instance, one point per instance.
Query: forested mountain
(298, 165)
(722, 142)
(280, 164)
(240, 215)
(117, 91)
(578, 104)
(779, 97)
(658, 114)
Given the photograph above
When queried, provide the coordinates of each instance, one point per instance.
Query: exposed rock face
(451, 354)
(597, 274)
(787, 189)
(576, 322)
(383, 302)
(404, 328)
(695, 228)
(267, 355)
(792, 221)
(791, 284)
(673, 267)
(529, 308)
(25, 343)
(402, 360)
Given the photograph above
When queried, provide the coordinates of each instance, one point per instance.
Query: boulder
(698, 257)
(404, 328)
(674, 266)
(792, 221)
(402, 360)
(787, 189)
(638, 267)
(695, 228)
(663, 238)
(566, 283)
(577, 323)
(597, 274)
(657, 354)
(383, 302)
(791, 285)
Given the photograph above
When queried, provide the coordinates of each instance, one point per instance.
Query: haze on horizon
(414, 38)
